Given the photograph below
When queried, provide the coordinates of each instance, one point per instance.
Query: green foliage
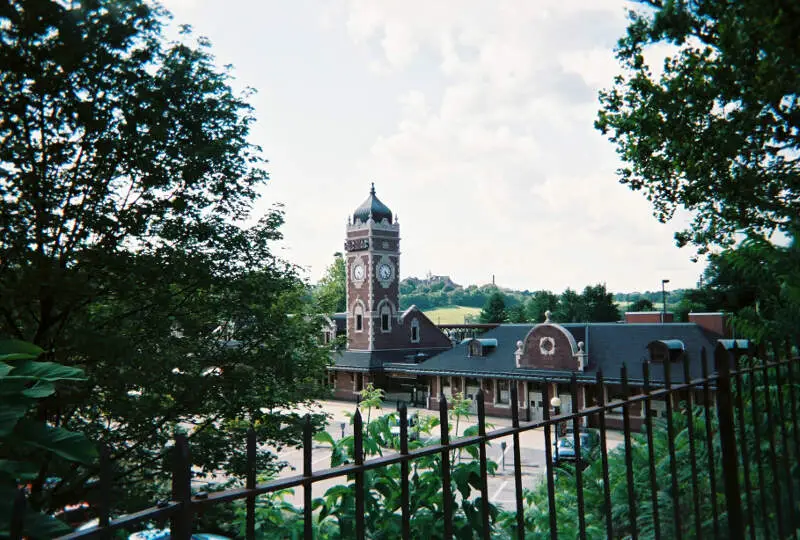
(329, 293)
(642, 304)
(717, 131)
(126, 177)
(494, 311)
(571, 307)
(517, 314)
(758, 282)
(26, 444)
(595, 304)
(540, 303)
(335, 518)
(757, 392)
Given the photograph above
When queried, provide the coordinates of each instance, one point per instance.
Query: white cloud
(474, 119)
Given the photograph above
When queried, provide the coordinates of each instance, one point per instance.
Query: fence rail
(718, 415)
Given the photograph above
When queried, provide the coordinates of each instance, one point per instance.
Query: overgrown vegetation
(125, 178)
(770, 490)
(27, 444)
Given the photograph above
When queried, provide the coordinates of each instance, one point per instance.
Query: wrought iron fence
(752, 485)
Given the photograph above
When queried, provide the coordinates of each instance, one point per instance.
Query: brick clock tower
(372, 248)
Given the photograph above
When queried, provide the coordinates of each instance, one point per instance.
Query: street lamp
(663, 301)
(556, 404)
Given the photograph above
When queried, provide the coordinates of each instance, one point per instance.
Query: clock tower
(372, 262)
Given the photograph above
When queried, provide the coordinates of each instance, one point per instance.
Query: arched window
(415, 331)
(386, 317)
(358, 313)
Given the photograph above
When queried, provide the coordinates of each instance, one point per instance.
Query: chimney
(652, 317)
(717, 323)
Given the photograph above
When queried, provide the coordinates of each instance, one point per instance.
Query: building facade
(378, 333)
(413, 360)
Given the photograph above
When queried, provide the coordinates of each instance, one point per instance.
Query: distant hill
(437, 291)
(440, 291)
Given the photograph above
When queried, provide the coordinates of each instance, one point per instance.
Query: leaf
(47, 371)
(18, 470)
(5, 369)
(36, 525)
(15, 346)
(324, 437)
(67, 444)
(40, 390)
(9, 416)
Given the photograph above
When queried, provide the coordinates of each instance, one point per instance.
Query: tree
(517, 314)
(759, 283)
(600, 306)
(718, 132)
(494, 310)
(330, 291)
(642, 304)
(571, 307)
(540, 303)
(125, 175)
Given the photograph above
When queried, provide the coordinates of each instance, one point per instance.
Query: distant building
(414, 360)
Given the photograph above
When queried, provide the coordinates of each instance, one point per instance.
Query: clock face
(358, 272)
(384, 271)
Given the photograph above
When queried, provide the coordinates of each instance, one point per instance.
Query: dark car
(564, 448)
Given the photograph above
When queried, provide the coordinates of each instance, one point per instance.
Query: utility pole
(664, 301)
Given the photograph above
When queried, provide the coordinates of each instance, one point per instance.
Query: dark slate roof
(352, 360)
(608, 345)
(372, 207)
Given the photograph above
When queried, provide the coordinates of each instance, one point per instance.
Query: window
(475, 348)
(415, 331)
(502, 396)
(386, 317)
(358, 311)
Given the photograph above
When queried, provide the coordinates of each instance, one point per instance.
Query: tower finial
(372, 189)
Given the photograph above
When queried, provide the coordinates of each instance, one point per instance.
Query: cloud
(502, 171)
(474, 119)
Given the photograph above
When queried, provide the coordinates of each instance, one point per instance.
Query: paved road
(500, 486)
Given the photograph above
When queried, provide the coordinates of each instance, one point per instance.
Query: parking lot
(500, 486)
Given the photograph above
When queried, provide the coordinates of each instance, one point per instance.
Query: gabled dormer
(666, 350)
(480, 346)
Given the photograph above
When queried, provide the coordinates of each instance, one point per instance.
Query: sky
(474, 119)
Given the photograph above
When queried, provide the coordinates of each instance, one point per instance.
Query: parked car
(564, 447)
(413, 434)
(163, 534)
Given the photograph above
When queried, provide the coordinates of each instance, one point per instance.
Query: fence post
(181, 522)
(250, 505)
(104, 506)
(727, 436)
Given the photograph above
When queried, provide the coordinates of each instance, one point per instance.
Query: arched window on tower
(415, 331)
(358, 313)
(386, 317)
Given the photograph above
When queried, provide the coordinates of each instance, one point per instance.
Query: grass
(452, 314)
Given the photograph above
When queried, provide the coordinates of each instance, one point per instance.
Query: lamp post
(664, 301)
(556, 404)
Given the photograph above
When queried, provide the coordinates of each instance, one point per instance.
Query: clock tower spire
(372, 261)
